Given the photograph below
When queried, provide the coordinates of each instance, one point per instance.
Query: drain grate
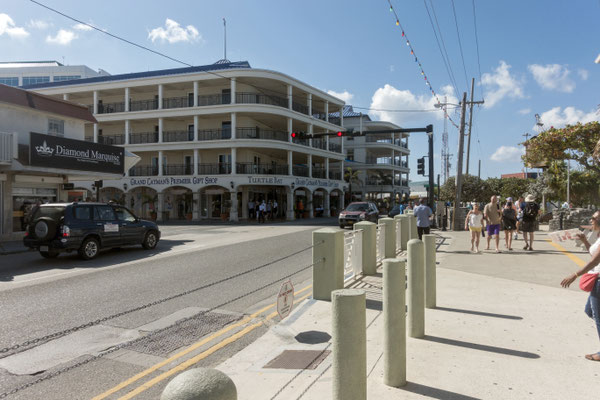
(298, 359)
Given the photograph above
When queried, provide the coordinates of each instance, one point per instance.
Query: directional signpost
(285, 299)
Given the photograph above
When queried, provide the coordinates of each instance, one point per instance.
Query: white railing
(380, 242)
(352, 253)
(6, 147)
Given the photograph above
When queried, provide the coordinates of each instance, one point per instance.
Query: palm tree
(351, 176)
(382, 179)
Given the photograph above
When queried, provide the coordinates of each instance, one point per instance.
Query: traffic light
(339, 134)
(421, 166)
(298, 135)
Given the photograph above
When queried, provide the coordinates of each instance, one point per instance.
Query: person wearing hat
(530, 214)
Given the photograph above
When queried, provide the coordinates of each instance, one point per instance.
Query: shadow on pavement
(483, 347)
(106, 258)
(435, 393)
(376, 305)
(481, 313)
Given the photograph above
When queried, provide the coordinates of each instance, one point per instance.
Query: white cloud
(82, 27)
(558, 118)
(525, 111)
(39, 24)
(508, 154)
(583, 74)
(501, 84)
(390, 98)
(345, 95)
(553, 77)
(63, 37)
(7, 25)
(173, 33)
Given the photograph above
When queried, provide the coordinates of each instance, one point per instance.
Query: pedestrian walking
(423, 214)
(251, 209)
(530, 214)
(474, 223)
(509, 223)
(262, 210)
(520, 209)
(491, 213)
(592, 307)
(269, 210)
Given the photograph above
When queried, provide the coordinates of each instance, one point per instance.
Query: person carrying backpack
(530, 214)
(509, 223)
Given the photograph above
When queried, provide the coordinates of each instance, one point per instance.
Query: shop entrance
(272, 195)
(178, 204)
(24, 200)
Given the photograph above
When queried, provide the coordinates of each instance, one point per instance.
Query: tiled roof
(24, 98)
(348, 112)
(148, 74)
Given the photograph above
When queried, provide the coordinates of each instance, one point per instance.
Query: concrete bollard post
(394, 322)
(369, 247)
(328, 259)
(200, 384)
(390, 237)
(413, 232)
(430, 271)
(349, 335)
(404, 231)
(416, 288)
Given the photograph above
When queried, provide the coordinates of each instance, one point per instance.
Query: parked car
(86, 228)
(358, 211)
(394, 211)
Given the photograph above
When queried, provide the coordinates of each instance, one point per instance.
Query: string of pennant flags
(417, 61)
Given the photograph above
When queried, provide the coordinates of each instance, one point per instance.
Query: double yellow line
(186, 364)
(566, 252)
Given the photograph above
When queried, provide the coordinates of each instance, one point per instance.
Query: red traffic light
(340, 134)
(294, 134)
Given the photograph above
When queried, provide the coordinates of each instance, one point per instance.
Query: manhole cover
(298, 359)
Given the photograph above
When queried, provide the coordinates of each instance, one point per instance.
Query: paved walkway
(503, 329)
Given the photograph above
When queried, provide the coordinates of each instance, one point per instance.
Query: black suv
(86, 228)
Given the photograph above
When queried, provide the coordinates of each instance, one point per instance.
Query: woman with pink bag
(589, 281)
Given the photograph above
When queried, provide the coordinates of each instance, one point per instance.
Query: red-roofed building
(521, 175)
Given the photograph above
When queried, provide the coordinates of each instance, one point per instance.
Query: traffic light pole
(431, 187)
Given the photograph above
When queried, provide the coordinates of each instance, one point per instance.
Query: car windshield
(49, 211)
(358, 207)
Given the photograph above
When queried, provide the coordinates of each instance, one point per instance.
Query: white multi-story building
(381, 159)
(213, 139)
(25, 73)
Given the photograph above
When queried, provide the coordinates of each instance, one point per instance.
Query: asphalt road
(220, 274)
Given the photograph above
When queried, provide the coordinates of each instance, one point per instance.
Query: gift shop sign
(57, 152)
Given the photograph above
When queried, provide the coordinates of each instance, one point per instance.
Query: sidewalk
(497, 333)
(12, 247)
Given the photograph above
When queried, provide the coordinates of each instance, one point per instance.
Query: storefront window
(24, 200)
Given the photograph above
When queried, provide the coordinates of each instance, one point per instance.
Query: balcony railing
(178, 136)
(319, 173)
(212, 100)
(178, 169)
(385, 161)
(257, 133)
(255, 98)
(143, 105)
(214, 134)
(300, 170)
(108, 108)
(143, 137)
(320, 116)
(319, 143)
(261, 169)
(301, 108)
(143, 170)
(335, 175)
(377, 182)
(214, 169)
(336, 148)
(176, 102)
(111, 139)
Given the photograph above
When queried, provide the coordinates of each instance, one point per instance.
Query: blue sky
(535, 56)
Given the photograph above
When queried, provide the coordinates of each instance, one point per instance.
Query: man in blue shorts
(423, 214)
(492, 215)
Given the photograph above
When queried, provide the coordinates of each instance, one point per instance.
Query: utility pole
(456, 223)
(471, 103)
(479, 170)
(526, 138)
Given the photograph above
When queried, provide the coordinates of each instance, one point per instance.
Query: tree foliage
(479, 190)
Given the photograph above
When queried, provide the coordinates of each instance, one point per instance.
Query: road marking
(566, 252)
(188, 350)
(183, 366)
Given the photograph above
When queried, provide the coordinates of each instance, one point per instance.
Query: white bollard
(328, 259)
(349, 336)
(416, 288)
(200, 384)
(369, 246)
(394, 322)
(430, 271)
(404, 231)
(390, 237)
(413, 232)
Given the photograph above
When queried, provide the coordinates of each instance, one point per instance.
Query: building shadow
(480, 313)
(482, 347)
(376, 305)
(435, 393)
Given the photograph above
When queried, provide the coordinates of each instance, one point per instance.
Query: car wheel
(49, 254)
(89, 249)
(150, 241)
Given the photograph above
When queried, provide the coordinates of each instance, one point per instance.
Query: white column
(160, 97)
(233, 90)
(309, 204)
(95, 133)
(327, 141)
(160, 206)
(233, 211)
(244, 203)
(310, 132)
(309, 104)
(341, 201)
(160, 163)
(289, 128)
(233, 125)
(326, 205)
(196, 206)
(326, 111)
(289, 94)
(290, 162)
(233, 161)
(195, 103)
(126, 99)
(95, 102)
(127, 129)
(327, 168)
(66, 96)
(290, 204)
(309, 161)
(195, 161)
(196, 127)
(160, 130)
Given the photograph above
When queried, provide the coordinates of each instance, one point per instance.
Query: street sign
(285, 299)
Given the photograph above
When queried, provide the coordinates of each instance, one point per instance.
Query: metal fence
(352, 253)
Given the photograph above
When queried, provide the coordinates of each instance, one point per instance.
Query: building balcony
(300, 170)
(178, 169)
(256, 98)
(143, 137)
(319, 173)
(261, 169)
(143, 170)
(383, 161)
(214, 169)
(178, 136)
(264, 134)
(337, 175)
(395, 142)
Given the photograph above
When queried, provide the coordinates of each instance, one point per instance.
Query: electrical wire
(477, 46)
(460, 45)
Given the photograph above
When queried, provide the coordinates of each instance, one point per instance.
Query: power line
(477, 45)
(384, 110)
(460, 44)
